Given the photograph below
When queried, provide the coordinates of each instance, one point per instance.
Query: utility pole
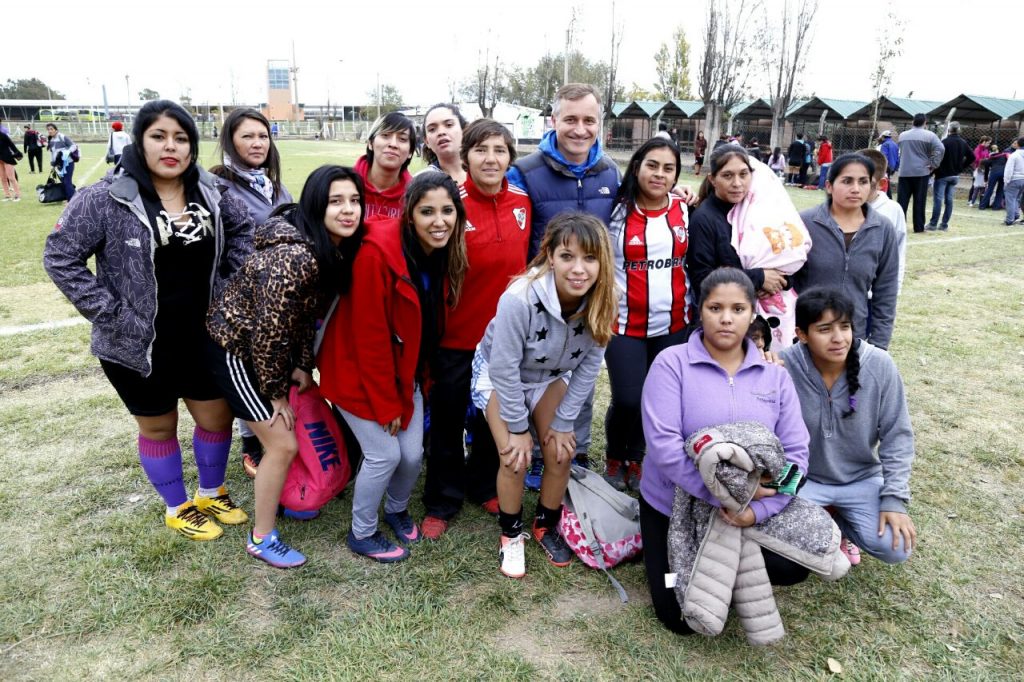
(295, 81)
(128, 88)
(568, 46)
(378, 94)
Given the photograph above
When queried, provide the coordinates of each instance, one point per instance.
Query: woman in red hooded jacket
(376, 347)
(384, 167)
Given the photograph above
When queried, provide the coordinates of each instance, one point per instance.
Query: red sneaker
(633, 473)
(433, 528)
(491, 506)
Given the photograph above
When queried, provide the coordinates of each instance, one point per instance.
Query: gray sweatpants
(390, 464)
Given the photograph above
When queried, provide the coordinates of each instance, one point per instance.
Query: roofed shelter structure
(633, 123)
(1003, 119)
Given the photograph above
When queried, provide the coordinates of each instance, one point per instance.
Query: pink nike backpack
(321, 469)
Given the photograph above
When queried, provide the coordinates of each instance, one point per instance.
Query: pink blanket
(767, 233)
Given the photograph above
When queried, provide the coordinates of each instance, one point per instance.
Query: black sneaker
(554, 546)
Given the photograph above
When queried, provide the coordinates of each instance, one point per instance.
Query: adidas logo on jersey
(636, 241)
(470, 227)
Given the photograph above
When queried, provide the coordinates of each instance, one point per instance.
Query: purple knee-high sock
(212, 449)
(161, 460)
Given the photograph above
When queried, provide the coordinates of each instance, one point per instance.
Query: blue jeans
(1011, 195)
(69, 188)
(857, 511)
(823, 174)
(943, 190)
(993, 197)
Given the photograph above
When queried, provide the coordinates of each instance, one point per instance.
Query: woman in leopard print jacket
(264, 323)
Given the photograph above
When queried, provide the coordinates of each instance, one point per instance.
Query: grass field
(94, 587)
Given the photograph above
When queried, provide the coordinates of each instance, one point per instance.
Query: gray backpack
(599, 523)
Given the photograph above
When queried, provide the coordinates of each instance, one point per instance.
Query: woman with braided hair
(862, 443)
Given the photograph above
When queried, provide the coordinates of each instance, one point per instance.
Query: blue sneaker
(377, 547)
(275, 551)
(297, 515)
(405, 528)
(533, 476)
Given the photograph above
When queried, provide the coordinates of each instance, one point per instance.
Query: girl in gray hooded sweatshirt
(537, 363)
(862, 443)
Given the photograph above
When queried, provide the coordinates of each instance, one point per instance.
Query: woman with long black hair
(165, 239)
(377, 348)
(649, 242)
(862, 442)
(264, 322)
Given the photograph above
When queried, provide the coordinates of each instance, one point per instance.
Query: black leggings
(628, 359)
(654, 530)
(451, 477)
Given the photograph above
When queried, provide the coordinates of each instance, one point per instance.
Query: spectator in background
(824, 160)
(981, 152)
(61, 149)
(994, 166)
(663, 131)
(921, 153)
(808, 165)
(754, 150)
(33, 145)
(117, 142)
(1013, 180)
(956, 158)
(891, 150)
(795, 155)
(777, 162)
(977, 185)
(700, 148)
(9, 155)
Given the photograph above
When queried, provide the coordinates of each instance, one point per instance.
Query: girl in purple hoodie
(718, 376)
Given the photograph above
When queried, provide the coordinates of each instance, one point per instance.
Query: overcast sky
(209, 49)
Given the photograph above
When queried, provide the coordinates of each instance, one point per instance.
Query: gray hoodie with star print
(528, 343)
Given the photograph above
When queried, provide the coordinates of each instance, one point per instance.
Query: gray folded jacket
(718, 564)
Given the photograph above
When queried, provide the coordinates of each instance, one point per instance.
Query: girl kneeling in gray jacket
(537, 363)
(862, 443)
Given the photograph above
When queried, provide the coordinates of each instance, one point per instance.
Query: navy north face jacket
(555, 185)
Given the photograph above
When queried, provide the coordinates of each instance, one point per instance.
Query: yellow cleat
(221, 508)
(193, 524)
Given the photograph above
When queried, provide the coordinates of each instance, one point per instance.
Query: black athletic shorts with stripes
(238, 381)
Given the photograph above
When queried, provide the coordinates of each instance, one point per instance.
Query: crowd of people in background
(487, 291)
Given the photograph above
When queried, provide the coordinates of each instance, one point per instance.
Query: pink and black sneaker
(377, 547)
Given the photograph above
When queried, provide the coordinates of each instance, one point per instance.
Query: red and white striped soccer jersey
(650, 251)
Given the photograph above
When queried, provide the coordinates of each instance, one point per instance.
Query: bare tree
(784, 48)
(890, 48)
(486, 86)
(724, 66)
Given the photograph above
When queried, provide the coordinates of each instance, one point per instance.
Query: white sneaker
(512, 556)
